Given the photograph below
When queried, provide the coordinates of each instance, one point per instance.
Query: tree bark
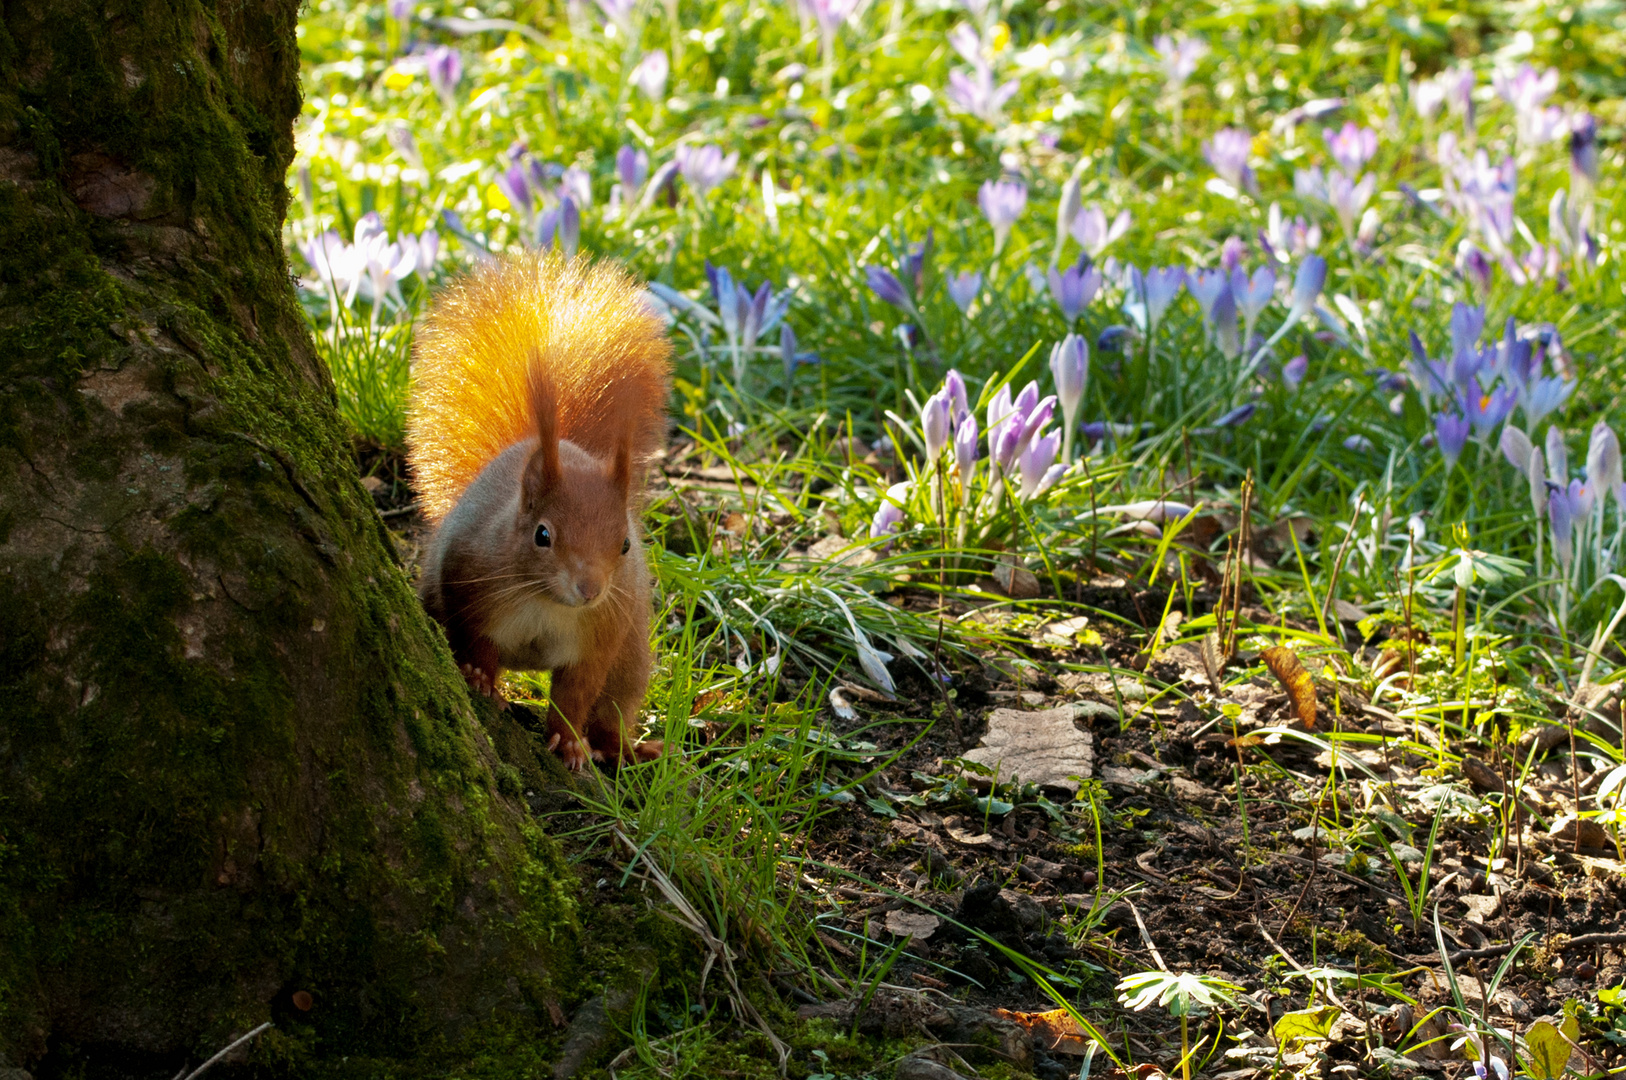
(236, 764)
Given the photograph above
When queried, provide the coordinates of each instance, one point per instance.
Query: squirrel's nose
(588, 590)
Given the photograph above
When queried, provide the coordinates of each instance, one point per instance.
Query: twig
(1146, 936)
(1338, 564)
(200, 1069)
(1580, 941)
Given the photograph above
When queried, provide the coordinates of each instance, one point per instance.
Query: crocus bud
(1071, 203)
(954, 387)
(787, 350)
(570, 226)
(1516, 447)
(963, 288)
(1536, 475)
(936, 422)
(1293, 372)
(1603, 468)
(1070, 365)
(1307, 283)
(632, 167)
(1451, 434)
(965, 451)
(1036, 460)
(1558, 456)
(885, 284)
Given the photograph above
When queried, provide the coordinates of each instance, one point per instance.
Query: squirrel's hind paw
(482, 683)
(648, 749)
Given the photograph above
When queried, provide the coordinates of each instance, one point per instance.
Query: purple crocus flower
(1348, 198)
(651, 74)
(885, 284)
(954, 387)
(1162, 285)
(632, 167)
(577, 183)
(445, 67)
(1228, 153)
(1527, 90)
(1307, 283)
(1070, 367)
(1038, 466)
(1179, 56)
(1487, 410)
(965, 451)
(1543, 397)
(1093, 233)
(1074, 288)
(1351, 147)
(1002, 203)
(1293, 372)
(516, 189)
(1238, 416)
(705, 167)
(1232, 252)
(401, 11)
(1584, 147)
(936, 424)
(1566, 505)
(889, 515)
(977, 94)
(1205, 287)
(1603, 466)
(1475, 266)
(1223, 315)
(963, 288)
(1252, 295)
(1451, 435)
(1285, 240)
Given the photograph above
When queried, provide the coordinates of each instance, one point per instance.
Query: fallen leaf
(841, 706)
(1014, 580)
(915, 925)
(1284, 664)
(1055, 1030)
(1041, 747)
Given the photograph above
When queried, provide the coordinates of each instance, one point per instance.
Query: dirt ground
(1189, 877)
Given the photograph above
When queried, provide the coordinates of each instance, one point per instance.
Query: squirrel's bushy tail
(585, 323)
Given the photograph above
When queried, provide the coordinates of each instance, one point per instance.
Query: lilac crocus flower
(1223, 315)
(1038, 466)
(1285, 240)
(1232, 252)
(1451, 435)
(885, 284)
(1162, 285)
(936, 424)
(651, 74)
(889, 515)
(1584, 148)
(1002, 203)
(1074, 288)
(577, 183)
(1543, 397)
(1238, 416)
(1348, 198)
(965, 451)
(1453, 88)
(1603, 466)
(1205, 287)
(1475, 266)
(445, 67)
(406, 144)
(570, 226)
(1307, 283)
(400, 11)
(830, 14)
(1228, 153)
(963, 289)
(1351, 147)
(1293, 372)
(1093, 233)
(954, 387)
(705, 167)
(1179, 55)
(632, 167)
(977, 94)
(1516, 447)
(1070, 367)
(1565, 505)
(1487, 409)
(619, 12)
(516, 189)
(1252, 295)
(1527, 90)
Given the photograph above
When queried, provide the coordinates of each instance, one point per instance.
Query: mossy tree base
(235, 760)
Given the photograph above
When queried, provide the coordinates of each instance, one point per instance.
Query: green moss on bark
(237, 760)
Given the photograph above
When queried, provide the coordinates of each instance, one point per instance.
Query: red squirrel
(539, 391)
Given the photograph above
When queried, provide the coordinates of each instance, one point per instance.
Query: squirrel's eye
(626, 545)
(543, 537)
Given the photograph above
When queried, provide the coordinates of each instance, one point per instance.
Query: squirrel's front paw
(572, 751)
(482, 683)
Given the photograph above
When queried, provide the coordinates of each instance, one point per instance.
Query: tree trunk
(236, 764)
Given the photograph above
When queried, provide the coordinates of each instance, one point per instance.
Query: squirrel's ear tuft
(621, 467)
(542, 471)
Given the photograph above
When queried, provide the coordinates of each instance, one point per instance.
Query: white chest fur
(538, 636)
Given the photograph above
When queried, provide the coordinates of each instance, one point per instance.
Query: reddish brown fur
(577, 604)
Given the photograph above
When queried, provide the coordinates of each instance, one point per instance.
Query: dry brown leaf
(1284, 664)
(1055, 1030)
(1042, 747)
(916, 925)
